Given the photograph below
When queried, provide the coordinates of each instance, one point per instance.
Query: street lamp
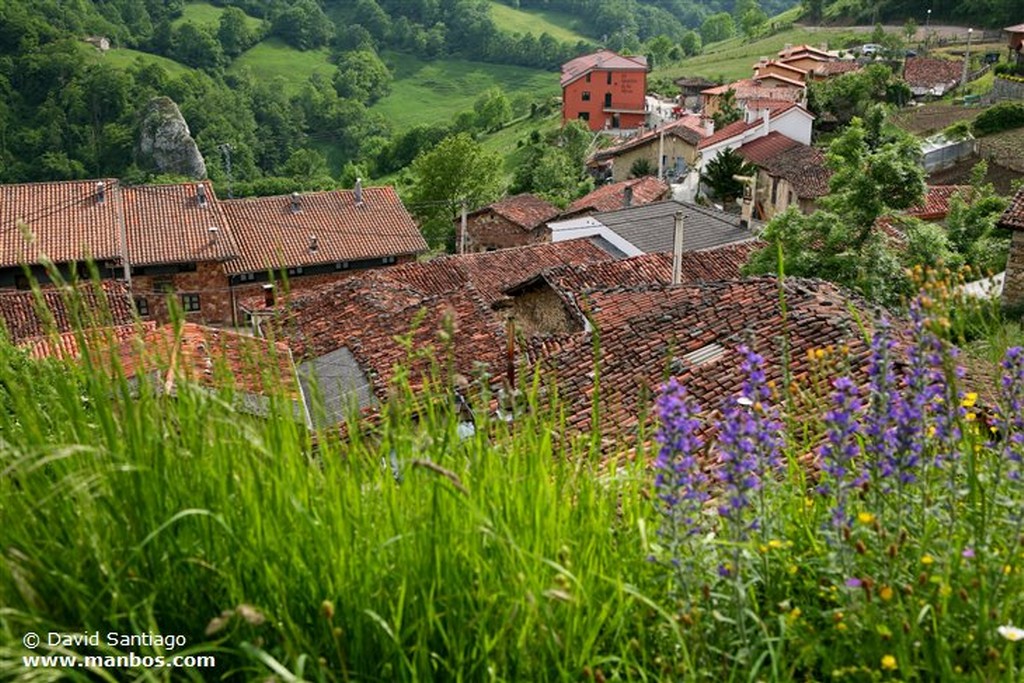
(927, 21)
(967, 59)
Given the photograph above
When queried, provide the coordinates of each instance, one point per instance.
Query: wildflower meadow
(877, 538)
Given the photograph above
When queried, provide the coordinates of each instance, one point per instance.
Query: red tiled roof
(749, 89)
(687, 128)
(775, 106)
(762, 150)
(605, 60)
(525, 210)
(837, 67)
(780, 64)
(936, 201)
(1018, 28)
(799, 84)
(646, 329)
(732, 130)
(66, 346)
(62, 221)
(790, 52)
(1013, 217)
(172, 224)
(927, 72)
(271, 235)
(64, 309)
(612, 196)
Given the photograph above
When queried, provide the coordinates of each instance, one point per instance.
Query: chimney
(200, 194)
(766, 120)
(214, 230)
(709, 127)
(357, 192)
(787, 49)
(101, 192)
(313, 246)
(677, 248)
(296, 206)
(268, 296)
(627, 196)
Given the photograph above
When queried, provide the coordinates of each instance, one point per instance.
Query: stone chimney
(101, 192)
(357, 192)
(201, 194)
(296, 204)
(766, 121)
(627, 196)
(268, 296)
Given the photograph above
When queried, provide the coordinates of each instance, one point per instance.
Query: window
(584, 116)
(586, 96)
(163, 285)
(341, 265)
(609, 78)
(607, 99)
(190, 303)
(142, 306)
(588, 78)
(247, 277)
(388, 260)
(295, 271)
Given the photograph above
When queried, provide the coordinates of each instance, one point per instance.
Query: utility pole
(677, 249)
(967, 60)
(661, 154)
(225, 150)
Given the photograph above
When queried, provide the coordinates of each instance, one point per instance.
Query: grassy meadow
(411, 551)
(205, 14)
(273, 58)
(560, 25)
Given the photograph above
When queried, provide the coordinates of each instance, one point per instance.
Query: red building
(605, 89)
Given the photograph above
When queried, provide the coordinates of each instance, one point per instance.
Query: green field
(561, 26)
(431, 92)
(733, 59)
(273, 57)
(123, 58)
(205, 14)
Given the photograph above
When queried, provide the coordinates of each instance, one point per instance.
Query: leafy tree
(308, 168)
(492, 109)
(717, 27)
(303, 25)
(658, 49)
(456, 170)
(362, 76)
(728, 110)
(852, 94)
(196, 46)
(719, 175)
(753, 21)
(233, 33)
(690, 43)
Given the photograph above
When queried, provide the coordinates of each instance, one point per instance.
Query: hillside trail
(943, 31)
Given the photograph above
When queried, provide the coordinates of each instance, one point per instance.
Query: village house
(27, 316)
(510, 222)
(1013, 284)
(775, 73)
(180, 243)
(670, 148)
(807, 58)
(792, 121)
(930, 76)
(748, 89)
(605, 90)
(651, 228)
(617, 195)
(1015, 43)
(789, 173)
(690, 89)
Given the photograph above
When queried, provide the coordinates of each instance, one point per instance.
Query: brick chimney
(268, 296)
(627, 196)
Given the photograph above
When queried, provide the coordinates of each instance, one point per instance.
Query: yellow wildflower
(775, 543)
(889, 663)
(865, 517)
(841, 626)
(945, 591)
(970, 398)
(970, 417)
(885, 593)
(794, 614)
(927, 560)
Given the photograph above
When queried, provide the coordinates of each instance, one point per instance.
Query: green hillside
(205, 14)
(560, 25)
(433, 92)
(123, 58)
(272, 58)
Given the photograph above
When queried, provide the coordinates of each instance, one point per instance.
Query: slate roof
(272, 234)
(525, 210)
(64, 309)
(172, 224)
(650, 228)
(928, 72)
(66, 220)
(691, 332)
(1013, 217)
(687, 128)
(612, 196)
(605, 60)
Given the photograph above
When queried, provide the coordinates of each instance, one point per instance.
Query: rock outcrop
(165, 144)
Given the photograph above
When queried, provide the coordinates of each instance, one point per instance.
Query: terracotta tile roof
(172, 224)
(525, 210)
(732, 130)
(687, 128)
(749, 89)
(837, 68)
(605, 60)
(270, 234)
(762, 150)
(610, 197)
(775, 106)
(1018, 28)
(1013, 217)
(210, 357)
(795, 50)
(796, 71)
(936, 201)
(797, 83)
(66, 346)
(692, 331)
(67, 222)
(64, 309)
(928, 72)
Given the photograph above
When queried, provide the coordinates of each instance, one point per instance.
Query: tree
(720, 172)
(717, 27)
(196, 46)
(362, 76)
(492, 109)
(233, 33)
(308, 168)
(457, 170)
(728, 110)
(303, 25)
(690, 43)
(658, 49)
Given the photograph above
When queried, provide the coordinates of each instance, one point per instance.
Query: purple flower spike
(681, 482)
(841, 449)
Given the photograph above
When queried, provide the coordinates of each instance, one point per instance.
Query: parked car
(871, 49)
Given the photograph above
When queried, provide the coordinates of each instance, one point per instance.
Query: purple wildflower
(967, 553)
(884, 399)
(680, 482)
(854, 582)
(750, 444)
(1009, 422)
(842, 448)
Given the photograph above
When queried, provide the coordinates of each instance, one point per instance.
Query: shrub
(1003, 116)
